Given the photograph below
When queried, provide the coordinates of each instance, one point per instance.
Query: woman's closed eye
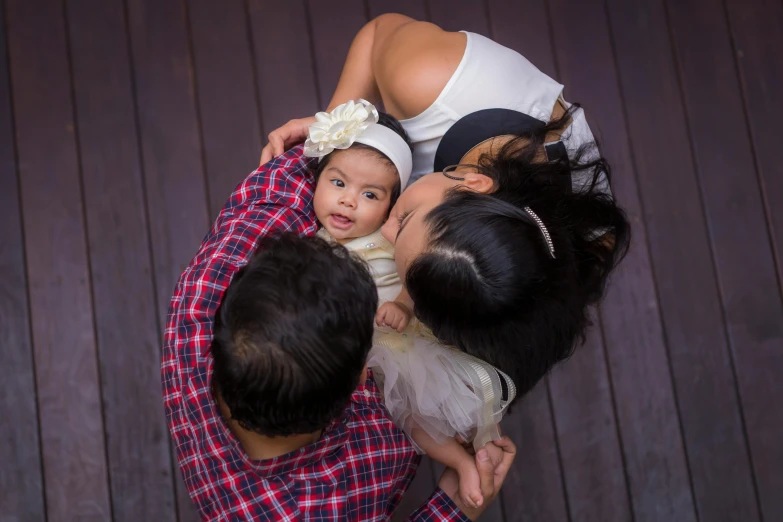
(402, 219)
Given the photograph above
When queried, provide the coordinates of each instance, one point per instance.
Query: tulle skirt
(436, 388)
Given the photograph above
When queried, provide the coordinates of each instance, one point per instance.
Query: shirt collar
(334, 437)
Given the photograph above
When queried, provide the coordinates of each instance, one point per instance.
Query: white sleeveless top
(490, 76)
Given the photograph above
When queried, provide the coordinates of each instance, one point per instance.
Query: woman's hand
(285, 137)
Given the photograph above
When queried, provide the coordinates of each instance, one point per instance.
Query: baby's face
(353, 193)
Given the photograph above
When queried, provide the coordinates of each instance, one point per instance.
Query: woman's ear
(479, 182)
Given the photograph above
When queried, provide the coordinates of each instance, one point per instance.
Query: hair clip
(544, 231)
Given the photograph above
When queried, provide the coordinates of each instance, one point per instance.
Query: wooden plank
(737, 224)
(171, 150)
(225, 85)
(416, 9)
(646, 411)
(580, 391)
(758, 40)
(534, 487)
(21, 477)
(524, 28)
(689, 299)
(587, 435)
(140, 464)
(69, 400)
(334, 26)
(286, 85)
(462, 15)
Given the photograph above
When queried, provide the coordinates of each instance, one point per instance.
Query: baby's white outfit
(425, 383)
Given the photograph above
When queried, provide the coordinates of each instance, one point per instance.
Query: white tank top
(489, 76)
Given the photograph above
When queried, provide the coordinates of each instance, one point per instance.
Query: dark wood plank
(286, 85)
(171, 149)
(689, 299)
(738, 229)
(69, 400)
(334, 26)
(580, 391)
(523, 26)
(646, 411)
(225, 85)
(534, 487)
(21, 477)
(416, 9)
(462, 15)
(757, 39)
(140, 464)
(758, 47)
(587, 435)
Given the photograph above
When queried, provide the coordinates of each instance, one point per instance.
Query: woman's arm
(394, 59)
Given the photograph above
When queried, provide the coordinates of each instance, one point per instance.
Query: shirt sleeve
(276, 197)
(439, 508)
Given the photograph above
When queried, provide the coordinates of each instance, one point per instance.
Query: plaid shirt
(360, 466)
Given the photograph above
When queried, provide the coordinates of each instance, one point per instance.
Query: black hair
(487, 283)
(389, 122)
(292, 335)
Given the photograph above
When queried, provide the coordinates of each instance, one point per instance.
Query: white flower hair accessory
(357, 122)
(340, 128)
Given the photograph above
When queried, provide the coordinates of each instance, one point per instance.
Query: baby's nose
(348, 200)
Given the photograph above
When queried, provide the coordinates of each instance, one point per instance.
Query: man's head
(292, 335)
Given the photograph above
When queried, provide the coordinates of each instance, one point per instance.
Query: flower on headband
(340, 128)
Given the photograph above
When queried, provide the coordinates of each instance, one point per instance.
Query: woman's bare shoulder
(413, 61)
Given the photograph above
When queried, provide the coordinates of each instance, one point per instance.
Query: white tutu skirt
(436, 388)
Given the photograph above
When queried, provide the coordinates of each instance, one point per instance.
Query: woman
(510, 232)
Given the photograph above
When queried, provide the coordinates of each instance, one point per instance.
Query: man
(266, 393)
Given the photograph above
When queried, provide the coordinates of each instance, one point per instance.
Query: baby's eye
(338, 183)
(370, 195)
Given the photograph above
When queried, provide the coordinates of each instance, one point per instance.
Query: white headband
(356, 122)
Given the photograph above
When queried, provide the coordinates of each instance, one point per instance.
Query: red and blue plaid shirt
(360, 466)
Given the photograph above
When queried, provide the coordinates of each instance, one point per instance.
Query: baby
(365, 162)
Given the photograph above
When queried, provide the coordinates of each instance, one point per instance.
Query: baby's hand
(393, 314)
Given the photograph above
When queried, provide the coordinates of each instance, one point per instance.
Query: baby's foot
(470, 485)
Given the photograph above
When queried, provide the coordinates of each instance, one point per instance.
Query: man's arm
(276, 197)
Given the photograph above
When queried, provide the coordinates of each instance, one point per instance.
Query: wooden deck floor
(125, 124)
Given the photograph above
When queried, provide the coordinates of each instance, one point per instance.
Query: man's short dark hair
(292, 335)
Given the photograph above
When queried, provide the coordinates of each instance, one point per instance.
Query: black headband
(470, 130)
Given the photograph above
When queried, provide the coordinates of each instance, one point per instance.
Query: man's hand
(393, 314)
(493, 462)
(285, 137)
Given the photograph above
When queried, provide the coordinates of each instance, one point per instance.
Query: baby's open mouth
(340, 222)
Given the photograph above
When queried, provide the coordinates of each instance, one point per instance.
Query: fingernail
(483, 456)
